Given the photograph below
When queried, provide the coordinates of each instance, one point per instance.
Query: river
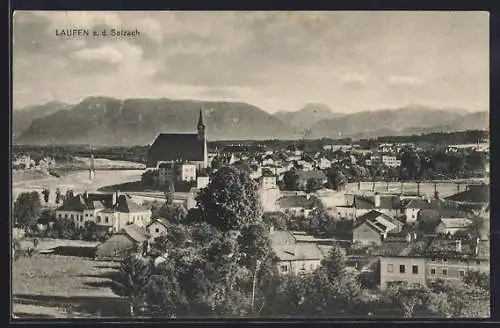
(78, 181)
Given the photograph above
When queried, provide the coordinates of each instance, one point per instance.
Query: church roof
(176, 146)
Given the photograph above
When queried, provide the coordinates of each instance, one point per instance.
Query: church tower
(201, 127)
(202, 136)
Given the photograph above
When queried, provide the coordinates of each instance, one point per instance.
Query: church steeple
(201, 126)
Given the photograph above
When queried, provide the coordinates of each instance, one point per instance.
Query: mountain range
(110, 121)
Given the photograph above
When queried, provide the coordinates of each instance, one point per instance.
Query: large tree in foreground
(27, 209)
(230, 200)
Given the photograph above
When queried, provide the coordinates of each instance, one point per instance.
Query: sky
(350, 61)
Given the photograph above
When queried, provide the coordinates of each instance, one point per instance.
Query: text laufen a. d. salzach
(112, 32)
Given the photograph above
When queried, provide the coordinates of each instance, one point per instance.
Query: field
(51, 284)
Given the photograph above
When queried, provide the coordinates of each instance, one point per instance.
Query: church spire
(201, 126)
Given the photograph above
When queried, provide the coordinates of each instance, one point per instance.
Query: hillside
(109, 121)
(407, 120)
(22, 117)
(307, 116)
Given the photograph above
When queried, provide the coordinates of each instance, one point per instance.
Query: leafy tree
(336, 179)
(278, 220)
(410, 164)
(164, 295)
(58, 196)
(405, 298)
(230, 200)
(254, 245)
(90, 230)
(131, 279)
(478, 279)
(291, 180)
(312, 185)
(27, 209)
(64, 228)
(46, 194)
(174, 213)
(320, 222)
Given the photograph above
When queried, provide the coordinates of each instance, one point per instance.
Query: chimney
(308, 196)
(458, 244)
(377, 200)
(86, 195)
(114, 199)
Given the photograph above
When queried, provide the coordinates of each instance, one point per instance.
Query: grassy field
(60, 275)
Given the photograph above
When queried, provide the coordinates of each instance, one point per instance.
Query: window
(433, 259)
(414, 269)
(98, 219)
(60, 215)
(444, 260)
(478, 262)
(402, 268)
(445, 272)
(157, 230)
(91, 214)
(106, 219)
(72, 216)
(284, 268)
(389, 267)
(433, 271)
(86, 215)
(461, 273)
(81, 218)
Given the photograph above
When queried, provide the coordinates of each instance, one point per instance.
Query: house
(191, 198)
(168, 172)
(183, 147)
(294, 257)
(448, 266)
(202, 180)
(411, 206)
(156, 228)
(391, 161)
(360, 205)
(373, 227)
(297, 204)
(324, 163)
(112, 210)
(452, 225)
(127, 239)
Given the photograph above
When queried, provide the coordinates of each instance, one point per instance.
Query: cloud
(104, 54)
(406, 80)
(276, 60)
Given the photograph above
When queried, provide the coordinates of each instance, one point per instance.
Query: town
(365, 229)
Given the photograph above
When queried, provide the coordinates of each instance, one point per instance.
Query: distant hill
(109, 121)
(22, 117)
(406, 120)
(114, 122)
(307, 116)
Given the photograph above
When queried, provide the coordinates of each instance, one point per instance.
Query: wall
(455, 268)
(411, 214)
(395, 276)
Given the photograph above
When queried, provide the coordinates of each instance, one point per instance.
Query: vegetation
(27, 209)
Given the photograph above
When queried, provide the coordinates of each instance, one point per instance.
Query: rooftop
(297, 252)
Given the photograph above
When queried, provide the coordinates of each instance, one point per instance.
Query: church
(180, 148)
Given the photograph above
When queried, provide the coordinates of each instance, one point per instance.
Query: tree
(64, 228)
(254, 245)
(336, 179)
(478, 279)
(277, 220)
(410, 164)
(27, 209)
(320, 221)
(58, 196)
(405, 298)
(46, 194)
(164, 295)
(131, 279)
(291, 180)
(90, 230)
(312, 185)
(230, 200)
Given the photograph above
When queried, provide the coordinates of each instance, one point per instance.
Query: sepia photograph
(250, 164)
